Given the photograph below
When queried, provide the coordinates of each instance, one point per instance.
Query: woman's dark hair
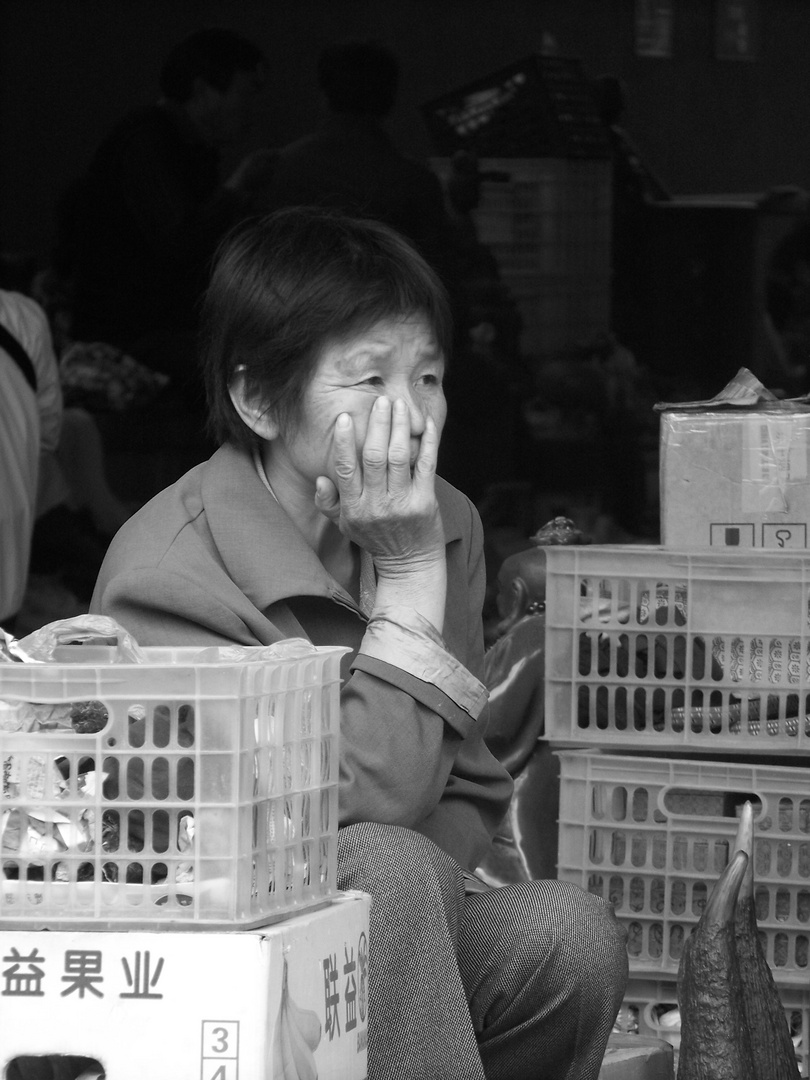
(287, 286)
(213, 55)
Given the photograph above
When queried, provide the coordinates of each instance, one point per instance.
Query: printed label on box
(220, 1050)
(792, 534)
(732, 534)
(285, 1001)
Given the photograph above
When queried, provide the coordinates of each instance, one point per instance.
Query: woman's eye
(373, 380)
(431, 380)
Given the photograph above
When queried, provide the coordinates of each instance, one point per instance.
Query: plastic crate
(659, 650)
(653, 835)
(207, 798)
(547, 222)
(649, 1009)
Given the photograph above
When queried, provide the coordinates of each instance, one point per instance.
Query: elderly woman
(321, 516)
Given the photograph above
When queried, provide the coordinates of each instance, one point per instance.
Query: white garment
(30, 425)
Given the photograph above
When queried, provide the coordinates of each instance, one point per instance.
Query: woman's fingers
(375, 447)
(399, 450)
(425, 468)
(327, 498)
(349, 476)
(381, 470)
(387, 448)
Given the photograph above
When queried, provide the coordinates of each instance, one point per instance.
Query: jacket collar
(262, 549)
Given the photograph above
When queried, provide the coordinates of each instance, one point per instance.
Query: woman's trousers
(522, 981)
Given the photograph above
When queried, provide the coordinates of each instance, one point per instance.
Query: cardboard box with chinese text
(275, 1003)
(734, 471)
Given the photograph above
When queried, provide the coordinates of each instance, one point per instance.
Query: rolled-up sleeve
(403, 639)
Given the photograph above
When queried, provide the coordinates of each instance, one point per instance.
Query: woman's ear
(259, 418)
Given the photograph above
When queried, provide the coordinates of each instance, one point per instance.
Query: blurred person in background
(30, 426)
(350, 163)
(136, 232)
(57, 510)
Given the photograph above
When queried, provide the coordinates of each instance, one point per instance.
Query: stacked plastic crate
(685, 671)
(173, 824)
(547, 223)
(545, 200)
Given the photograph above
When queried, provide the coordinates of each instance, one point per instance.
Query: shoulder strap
(19, 355)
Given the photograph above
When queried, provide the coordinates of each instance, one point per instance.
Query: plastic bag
(288, 649)
(46, 643)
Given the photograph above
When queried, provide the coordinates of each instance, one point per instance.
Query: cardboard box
(275, 1003)
(734, 471)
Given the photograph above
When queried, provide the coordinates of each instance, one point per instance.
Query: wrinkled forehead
(413, 328)
(384, 340)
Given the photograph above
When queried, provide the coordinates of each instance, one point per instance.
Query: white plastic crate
(547, 222)
(170, 792)
(650, 1008)
(653, 835)
(661, 650)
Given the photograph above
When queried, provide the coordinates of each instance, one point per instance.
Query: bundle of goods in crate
(538, 106)
(662, 649)
(734, 470)
(165, 786)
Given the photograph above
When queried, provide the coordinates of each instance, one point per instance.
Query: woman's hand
(387, 505)
(383, 503)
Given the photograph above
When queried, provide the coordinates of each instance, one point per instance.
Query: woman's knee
(591, 923)
(591, 945)
(596, 944)
(572, 922)
(389, 860)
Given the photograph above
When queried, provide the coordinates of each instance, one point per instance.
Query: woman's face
(395, 358)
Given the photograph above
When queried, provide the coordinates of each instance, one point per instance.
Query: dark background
(70, 68)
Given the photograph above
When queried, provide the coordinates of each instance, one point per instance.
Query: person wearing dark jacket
(137, 230)
(351, 162)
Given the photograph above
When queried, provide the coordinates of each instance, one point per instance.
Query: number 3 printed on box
(220, 1050)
